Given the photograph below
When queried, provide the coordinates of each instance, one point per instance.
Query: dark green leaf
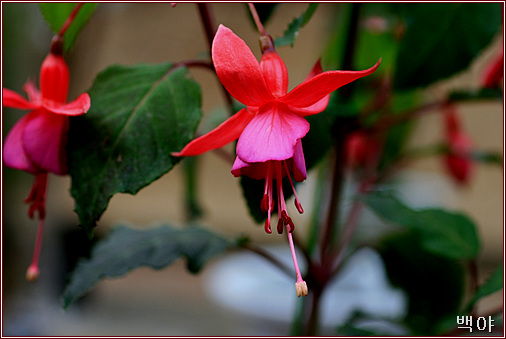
(57, 13)
(442, 39)
(139, 115)
(295, 26)
(493, 284)
(126, 249)
(448, 234)
(434, 285)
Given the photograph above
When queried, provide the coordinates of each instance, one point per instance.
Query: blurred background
(172, 301)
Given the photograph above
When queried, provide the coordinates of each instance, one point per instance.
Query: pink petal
(315, 89)
(32, 91)
(256, 171)
(238, 69)
(14, 153)
(319, 106)
(77, 107)
(271, 135)
(14, 100)
(54, 78)
(315, 108)
(44, 140)
(225, 133)
(275, 73)
(299, 163)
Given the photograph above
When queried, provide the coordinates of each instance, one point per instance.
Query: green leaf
(139, 115)
(295, 26)
(493, 284)
(442, 39)
(434, 285)
(126, 249)
(57, 13)
(447, 234)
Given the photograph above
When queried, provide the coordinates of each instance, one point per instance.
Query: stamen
(37, 201)
(267, 225)
(281, 198)
(266, 205)
(297, 203)
(32, 273)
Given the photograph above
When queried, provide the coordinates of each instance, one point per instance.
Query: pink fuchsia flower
(269, 130)
(37, 142)
(457, 161)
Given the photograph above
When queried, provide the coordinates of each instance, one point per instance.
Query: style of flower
(36, 143)
(269, 130)
(457, 160)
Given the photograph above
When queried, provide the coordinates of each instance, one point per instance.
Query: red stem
(70, 19)
(256, 18)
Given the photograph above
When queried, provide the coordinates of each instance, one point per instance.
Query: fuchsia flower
(36, 143)
(457, 160)
(272, 125)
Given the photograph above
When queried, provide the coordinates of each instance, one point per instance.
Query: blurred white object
(250, 284)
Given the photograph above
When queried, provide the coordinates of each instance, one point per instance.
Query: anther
(281, 224)
(264, 204)
(299, 206)
(301, 288)
(268, 225)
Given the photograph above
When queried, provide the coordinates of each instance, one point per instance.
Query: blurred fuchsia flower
(271, 127)
(494, 72)
(36, 143)
(457, 160)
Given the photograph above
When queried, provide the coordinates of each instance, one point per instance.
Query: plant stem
(208, 22)
(70, 19)
(255, 249)
(256, 18)
(209, 25)
(319, 274)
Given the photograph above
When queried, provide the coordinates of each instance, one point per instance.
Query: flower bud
(54, 79)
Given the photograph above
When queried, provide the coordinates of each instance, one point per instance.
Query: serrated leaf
(442, 39)
(139, 115)
(493, 284)
(126, 249)
(57, 13)
(295, 26)
(448, 234)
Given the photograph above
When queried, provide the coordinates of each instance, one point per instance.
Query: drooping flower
(269, 130)
(457, 161)
(36, 144)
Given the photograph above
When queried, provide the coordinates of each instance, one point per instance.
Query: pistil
(37, 201)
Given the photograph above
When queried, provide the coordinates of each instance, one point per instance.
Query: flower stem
(209, 25)
(208, 22)
(70, 19)
(256, 18)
